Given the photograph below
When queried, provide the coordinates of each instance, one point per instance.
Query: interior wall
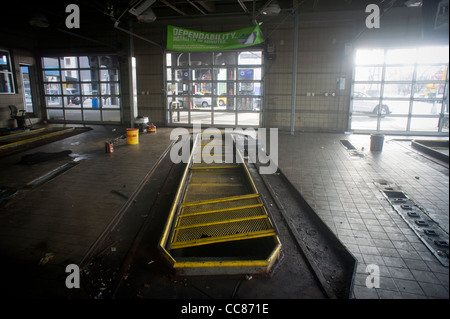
(325, 45)
(18, 56)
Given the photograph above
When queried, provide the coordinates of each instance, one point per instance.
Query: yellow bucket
(133, 135)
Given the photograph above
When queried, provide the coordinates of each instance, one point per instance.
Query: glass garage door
(401, 91)
(80, 89)
(214, 88)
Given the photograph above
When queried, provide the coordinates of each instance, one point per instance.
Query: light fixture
(141, 6)
(147, 16)
(413, 3)
(39, 20)
(272, 9)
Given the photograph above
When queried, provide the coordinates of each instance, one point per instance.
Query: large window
(6, 73)
(25, 71)
(401, 90)
(82, 88)
(214, 88)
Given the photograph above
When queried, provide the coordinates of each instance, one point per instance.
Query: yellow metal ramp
(225, 219)
(217, 204)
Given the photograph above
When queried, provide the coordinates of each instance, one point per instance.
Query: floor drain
(348, 145)
(421, 223)
(428, 231)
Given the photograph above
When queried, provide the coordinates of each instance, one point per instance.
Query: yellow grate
(220, 215)
(219, 205)
(234, 229)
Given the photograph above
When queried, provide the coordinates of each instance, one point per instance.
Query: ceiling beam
(243, 6)
(263, 8)
(167, 3)
(196, 7)
(208, 5)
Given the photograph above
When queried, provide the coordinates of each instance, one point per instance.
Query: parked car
(362, 104)
(73, 96)
(202, 101)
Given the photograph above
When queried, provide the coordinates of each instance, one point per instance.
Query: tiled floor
(339, 184)
(67, 214)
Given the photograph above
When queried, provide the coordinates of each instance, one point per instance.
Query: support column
(294, 68)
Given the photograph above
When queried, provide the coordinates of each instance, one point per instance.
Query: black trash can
(376, 142)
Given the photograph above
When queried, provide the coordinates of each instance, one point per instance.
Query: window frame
(9, 71)
(411, 116)
(174, 70)
(101, 109)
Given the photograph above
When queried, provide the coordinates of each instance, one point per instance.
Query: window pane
(109, 75)
(52, 89)
(248, 104)
(53, 101)
(424, 124)
(178, 102)
(91, 115)
(366, 90)
(109, 62)
(110, 88)
(70, 76)
(89, 75)
(52, 76)
(224, 74)
(201, 74)
(4, 62)
(200, 101)
(365, 57)
(177, 88)
(177, 59)
(401, 56)
(432, 55)
(73, 90)
(371, 73)
(111, 102)
(431, 72)
(68, 62)
(72, 101)
(249, 74)
(73, 115)
(201, 117)
(249, 88)
(200, 58)
(251, 119)
(429, 90)
(250, 58)
(112, 116)
(399, 73)
(397, 90)
(364, 123)
(225, 58)
(427, 107)
(26, 84)
(365, 106)
(90, 89)
(202, 88)
(394, 123)
(55, 114)
(225, 118)
(88, 61)
(223, 88)
(50, 63)
(395, 107)
(178, 116)
(6, 83)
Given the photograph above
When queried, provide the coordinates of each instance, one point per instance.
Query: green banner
(180, 39)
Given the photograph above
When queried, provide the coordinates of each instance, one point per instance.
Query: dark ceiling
(96, 11)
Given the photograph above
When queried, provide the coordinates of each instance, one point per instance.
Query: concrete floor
(43, 229)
